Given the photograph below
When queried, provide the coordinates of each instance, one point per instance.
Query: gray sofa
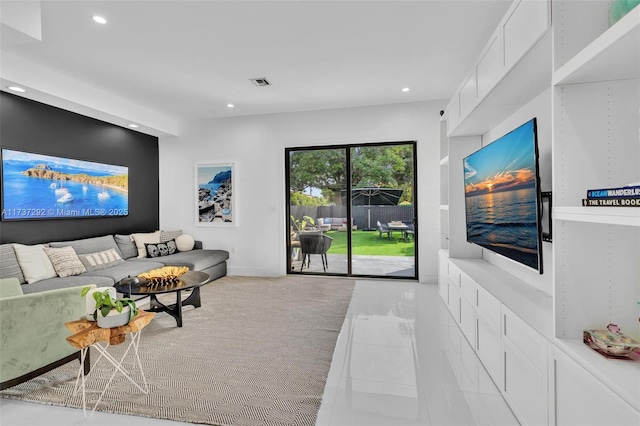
(213, 262)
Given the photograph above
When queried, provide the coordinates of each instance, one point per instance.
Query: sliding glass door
(351, 210)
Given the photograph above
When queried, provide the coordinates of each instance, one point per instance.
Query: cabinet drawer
(468, 321)
(489, 348)
(526, 339)
(454, 275)
(469, 289)
(489, 306)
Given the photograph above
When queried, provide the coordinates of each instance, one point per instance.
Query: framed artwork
(38, 186)
(215, 200)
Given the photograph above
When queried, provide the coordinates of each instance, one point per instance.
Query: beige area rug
(257, 352)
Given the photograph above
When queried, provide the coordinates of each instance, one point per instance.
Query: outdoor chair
(314, 244)
(383, 229)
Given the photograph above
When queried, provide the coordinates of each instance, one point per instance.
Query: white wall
(539, 107)
(255, 144)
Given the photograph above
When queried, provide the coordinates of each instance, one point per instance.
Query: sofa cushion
(124, 270)
(57, 283)
(65, 261)
(196, 260)
(126, 245)
(100, 260)
(145, 238)
(89, 245)
(161, 249)
(9, 267)
(34, 262)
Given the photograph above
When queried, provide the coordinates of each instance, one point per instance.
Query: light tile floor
(399, 360)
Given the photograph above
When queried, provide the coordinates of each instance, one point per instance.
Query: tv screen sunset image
(501, 196)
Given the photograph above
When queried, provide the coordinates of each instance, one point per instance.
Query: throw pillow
(65, 261)
(145, 238)
(161, 249)
(169, 235)
(34, 262)
(185, 242)
(126, 245)
(100, 260)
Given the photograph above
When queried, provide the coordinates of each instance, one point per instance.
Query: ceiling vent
(260, 82)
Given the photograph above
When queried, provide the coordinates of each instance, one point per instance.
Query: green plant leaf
(85, 290)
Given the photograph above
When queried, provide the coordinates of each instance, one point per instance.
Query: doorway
(374, 185)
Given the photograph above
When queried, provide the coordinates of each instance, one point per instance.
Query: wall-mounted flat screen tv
(37, 186)
(502, 196)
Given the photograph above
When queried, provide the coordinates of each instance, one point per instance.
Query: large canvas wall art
(214, 195)
(37, 186)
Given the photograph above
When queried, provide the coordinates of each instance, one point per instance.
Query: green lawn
(369, 243)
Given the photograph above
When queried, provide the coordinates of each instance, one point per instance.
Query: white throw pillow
(145, 238)
(34, 262)
(185, 242)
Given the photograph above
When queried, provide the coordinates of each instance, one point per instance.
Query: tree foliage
(371, 166)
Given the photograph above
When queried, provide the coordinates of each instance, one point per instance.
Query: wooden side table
(87, 334)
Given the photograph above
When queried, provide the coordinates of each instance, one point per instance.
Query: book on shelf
(611, 202)
(632, 191)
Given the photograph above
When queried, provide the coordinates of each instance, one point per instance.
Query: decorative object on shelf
(619, 8)
(625, 196)
(610, 342)
(113, 312)
(164, 275)
(215, 200)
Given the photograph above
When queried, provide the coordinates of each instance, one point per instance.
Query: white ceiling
(186, 60)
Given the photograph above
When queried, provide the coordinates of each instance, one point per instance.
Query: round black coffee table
(191, 280)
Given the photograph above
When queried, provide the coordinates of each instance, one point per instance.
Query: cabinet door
(528, 21)
(443, 276)
(525, 387)
(468, 321)
(581, 399)
(454, 302)
(489, 348)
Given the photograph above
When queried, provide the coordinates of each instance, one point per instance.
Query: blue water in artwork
(505, 219)
(34, 198)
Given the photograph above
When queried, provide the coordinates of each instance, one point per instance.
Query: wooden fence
(363, 216)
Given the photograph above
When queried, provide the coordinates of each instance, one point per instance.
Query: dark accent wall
(26, 125)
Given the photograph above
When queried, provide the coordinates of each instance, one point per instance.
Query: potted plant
(306, 223)
(113, 312)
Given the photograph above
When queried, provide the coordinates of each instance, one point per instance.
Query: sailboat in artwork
(61, 190)
(103, 194)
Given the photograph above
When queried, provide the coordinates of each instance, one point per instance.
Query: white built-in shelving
(593, 74)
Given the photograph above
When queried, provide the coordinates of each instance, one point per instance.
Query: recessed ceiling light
(230, 105)
(16, 89)
(99, 19)
(406, 89)
(133, 126)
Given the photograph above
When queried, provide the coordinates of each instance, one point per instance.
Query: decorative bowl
(164, 275)
(610, 342)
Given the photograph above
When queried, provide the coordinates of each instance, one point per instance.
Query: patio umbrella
(373, 197)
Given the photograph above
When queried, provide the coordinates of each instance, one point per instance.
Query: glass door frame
(348, 188)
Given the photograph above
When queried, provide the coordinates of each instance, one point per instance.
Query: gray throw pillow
(127, 246)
